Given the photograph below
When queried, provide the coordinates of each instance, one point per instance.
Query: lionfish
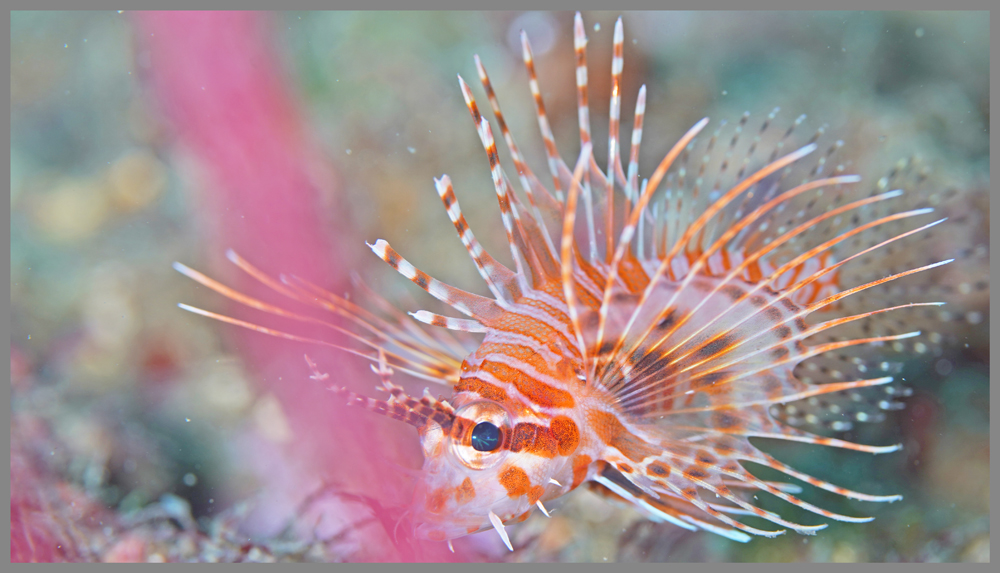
(639, 355)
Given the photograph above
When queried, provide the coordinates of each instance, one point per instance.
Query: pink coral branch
(228, 105)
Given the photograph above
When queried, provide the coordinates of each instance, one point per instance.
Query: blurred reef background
(144, 433)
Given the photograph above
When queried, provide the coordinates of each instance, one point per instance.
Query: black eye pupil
(485, 437)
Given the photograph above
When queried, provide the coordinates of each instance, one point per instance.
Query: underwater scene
(717, 290)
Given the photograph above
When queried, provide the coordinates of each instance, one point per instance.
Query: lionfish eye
(477, 446)
(485, 437)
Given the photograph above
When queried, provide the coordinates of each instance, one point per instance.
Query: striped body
(641, 364)
(559, 431)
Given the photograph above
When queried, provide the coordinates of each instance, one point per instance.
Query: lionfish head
(472, 478)
(462, 490)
